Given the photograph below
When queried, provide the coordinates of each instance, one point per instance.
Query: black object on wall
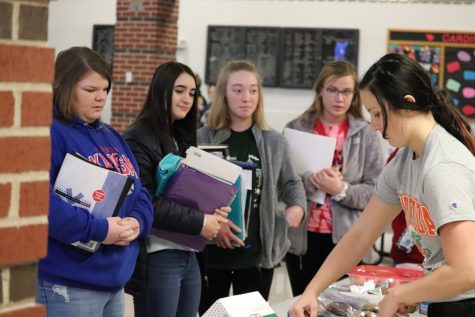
(284, 57)
(103, 41)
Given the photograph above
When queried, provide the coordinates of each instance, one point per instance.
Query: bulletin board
(284, 57)
(447, 56)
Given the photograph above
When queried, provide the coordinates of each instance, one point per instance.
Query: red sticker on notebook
(98, 195)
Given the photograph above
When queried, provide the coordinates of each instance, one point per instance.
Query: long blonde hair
(219, 116)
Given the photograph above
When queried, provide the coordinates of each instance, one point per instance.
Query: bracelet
(342, 194)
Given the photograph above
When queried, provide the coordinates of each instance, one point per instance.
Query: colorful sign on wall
(448, 57)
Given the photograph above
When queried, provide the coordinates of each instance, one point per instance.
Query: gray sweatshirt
(362, 163)
(280, 183)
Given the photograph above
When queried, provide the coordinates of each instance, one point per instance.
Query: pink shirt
(320, 220)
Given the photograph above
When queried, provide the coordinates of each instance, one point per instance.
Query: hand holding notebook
(195, 187)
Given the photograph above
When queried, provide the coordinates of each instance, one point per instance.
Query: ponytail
(395, 75)
(451, 119)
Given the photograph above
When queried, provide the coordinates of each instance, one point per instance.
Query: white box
(244, 305)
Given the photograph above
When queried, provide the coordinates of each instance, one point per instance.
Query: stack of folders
(99, 190)
(241, 205)
(202, 181)
(220, 150)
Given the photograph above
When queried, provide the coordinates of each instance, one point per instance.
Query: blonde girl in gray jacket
(357, 162)
(237, 119)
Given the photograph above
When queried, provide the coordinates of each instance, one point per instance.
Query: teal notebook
(237, 212)
(241, 205)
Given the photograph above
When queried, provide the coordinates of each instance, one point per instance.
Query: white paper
(211, 164)
(310, 152)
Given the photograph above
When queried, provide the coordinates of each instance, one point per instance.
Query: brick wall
(145, 37)
(26, 73)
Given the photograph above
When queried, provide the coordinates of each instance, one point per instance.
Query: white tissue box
(244, 305)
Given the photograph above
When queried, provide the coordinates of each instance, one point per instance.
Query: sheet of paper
(310, 152)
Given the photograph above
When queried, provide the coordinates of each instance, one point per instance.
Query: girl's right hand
(212, 224)
(305, 306)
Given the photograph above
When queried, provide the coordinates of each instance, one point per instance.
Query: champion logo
(454, 205)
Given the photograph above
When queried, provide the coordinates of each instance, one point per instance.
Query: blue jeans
(68, 301)
(173, 285)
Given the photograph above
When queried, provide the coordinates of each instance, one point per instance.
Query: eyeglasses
(335, 92)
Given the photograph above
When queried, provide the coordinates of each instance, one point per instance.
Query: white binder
(211, 164)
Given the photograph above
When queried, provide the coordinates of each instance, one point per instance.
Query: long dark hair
(70, 67)
(156, 114)
(395, 76)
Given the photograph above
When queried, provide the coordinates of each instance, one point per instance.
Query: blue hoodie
(110, 267)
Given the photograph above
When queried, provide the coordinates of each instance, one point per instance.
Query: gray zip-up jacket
(280, 183)
(363, 161)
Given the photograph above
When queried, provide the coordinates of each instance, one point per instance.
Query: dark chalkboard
(301, 57)
(304, 51)
(224, 44)
(258, 45)
(262, 47)
(284, 57)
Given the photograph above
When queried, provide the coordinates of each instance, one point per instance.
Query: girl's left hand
(223, 211)
(127, 236)
(330, 181)
(294, 216)
(226, 239)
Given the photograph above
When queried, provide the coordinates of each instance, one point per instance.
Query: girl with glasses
(357, 161)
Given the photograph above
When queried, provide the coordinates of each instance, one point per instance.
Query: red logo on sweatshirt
(99, 195)
(418, 215)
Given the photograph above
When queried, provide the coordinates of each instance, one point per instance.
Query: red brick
(24, 278)
(23, 244)
(26, 63)
(36, 311)
(7, 108)
(36, 109)
(21, 154)
(34, 198)
(33, 22)
(142, 40)
(5, 194)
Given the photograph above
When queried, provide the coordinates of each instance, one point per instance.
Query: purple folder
(191, 188)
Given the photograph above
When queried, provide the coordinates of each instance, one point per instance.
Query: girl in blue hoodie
(71, 281)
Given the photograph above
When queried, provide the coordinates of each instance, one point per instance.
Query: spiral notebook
(97, 189)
